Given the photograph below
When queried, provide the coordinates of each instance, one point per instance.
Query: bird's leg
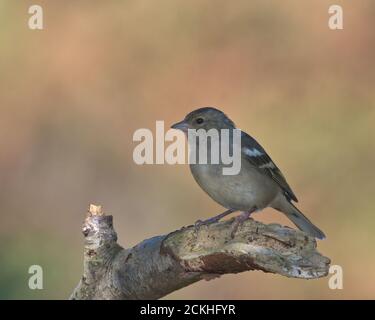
(240, 219)
(198, 223)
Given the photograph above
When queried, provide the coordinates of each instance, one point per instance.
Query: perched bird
(258, 184)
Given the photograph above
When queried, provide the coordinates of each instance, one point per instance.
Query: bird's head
(204, 118)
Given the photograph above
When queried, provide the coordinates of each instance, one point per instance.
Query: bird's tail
(302, 222)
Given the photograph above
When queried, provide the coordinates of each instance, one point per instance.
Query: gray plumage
(258, 185)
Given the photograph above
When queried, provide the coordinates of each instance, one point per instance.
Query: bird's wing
(259, 158)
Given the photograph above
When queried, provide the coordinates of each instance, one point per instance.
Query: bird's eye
(199, 120)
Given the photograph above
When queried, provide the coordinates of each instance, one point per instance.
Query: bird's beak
(182, 125)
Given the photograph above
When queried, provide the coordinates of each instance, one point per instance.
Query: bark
(160, 265)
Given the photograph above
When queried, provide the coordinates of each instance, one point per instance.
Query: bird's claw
(200, 223)
(239, 220)
(197, 224)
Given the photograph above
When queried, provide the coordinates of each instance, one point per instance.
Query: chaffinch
(258, 184)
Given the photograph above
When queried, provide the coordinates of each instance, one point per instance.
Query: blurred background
(72, 95)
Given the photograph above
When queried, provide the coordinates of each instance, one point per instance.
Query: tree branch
(160, 265)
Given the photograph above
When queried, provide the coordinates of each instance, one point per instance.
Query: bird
(258, 184)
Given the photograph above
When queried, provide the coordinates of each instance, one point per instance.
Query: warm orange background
(72, 95)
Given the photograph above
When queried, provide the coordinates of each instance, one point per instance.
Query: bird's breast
(243, 191)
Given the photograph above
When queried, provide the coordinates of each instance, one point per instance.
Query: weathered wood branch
(160, 265)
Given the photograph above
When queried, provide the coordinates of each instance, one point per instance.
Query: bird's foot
(239, 221)
(199, 223)
(217, 218)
